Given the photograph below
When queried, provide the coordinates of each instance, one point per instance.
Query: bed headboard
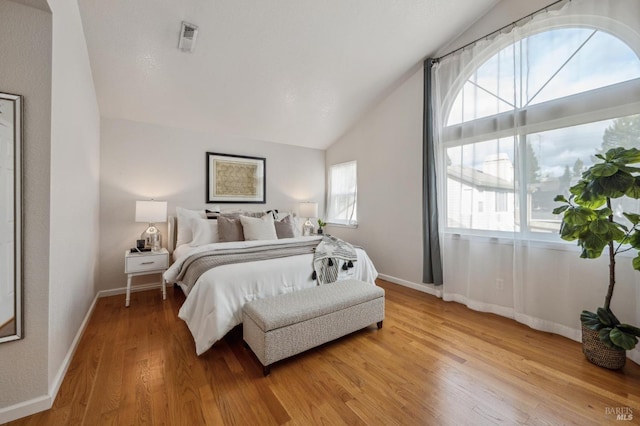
(173, 233)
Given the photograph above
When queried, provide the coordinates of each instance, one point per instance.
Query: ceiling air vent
(188, 35)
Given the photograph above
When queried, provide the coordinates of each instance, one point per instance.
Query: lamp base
(307, 229)
(152, 238)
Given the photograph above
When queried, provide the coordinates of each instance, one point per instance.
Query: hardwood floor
(433, 362)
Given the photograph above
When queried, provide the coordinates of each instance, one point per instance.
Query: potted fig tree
(588, 218)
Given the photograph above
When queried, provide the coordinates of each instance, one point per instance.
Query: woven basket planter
(596, 352)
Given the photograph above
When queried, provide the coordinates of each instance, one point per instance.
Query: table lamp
(308, 210)
(151, 212)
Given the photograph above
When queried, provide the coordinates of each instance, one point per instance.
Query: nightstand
(145, 263)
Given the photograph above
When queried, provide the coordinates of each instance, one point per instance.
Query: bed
(215, 296)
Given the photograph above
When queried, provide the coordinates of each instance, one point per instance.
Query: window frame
(603, 103)
(353, 223)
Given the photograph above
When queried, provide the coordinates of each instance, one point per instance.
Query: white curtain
(518, 117)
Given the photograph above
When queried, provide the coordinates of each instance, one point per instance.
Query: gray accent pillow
(285, 228)
(230, 229)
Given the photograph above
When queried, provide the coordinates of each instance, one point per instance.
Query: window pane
(542, 67)
(562, 155)
(342, 203)
(480, 186)
(602, 61)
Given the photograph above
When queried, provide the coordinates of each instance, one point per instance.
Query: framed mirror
(11, 327)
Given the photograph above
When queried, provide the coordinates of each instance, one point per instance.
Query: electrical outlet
(499, 284)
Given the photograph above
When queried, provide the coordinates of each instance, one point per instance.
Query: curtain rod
(499, 30)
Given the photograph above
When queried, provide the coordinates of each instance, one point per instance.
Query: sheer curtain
(518, 118)
(343, 194)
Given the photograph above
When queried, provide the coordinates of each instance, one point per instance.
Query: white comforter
(214, 305)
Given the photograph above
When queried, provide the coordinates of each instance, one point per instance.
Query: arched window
(521, 126)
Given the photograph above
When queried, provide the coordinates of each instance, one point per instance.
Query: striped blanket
(329, 254)
(198, 264)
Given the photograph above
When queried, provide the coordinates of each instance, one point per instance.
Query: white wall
(142, 161)
(25, 49)
(387, 144)
(45, 59)
(75, 163)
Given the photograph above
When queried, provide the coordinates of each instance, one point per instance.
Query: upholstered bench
(288, 324)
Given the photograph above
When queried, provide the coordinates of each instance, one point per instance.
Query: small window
(342, 194)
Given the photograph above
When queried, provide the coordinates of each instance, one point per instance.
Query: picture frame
(236, 179)
(11, 219)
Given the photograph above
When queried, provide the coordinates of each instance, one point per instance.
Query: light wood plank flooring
(433, 362)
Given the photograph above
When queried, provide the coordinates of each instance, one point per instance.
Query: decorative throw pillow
(185, 234)
(285, 227)
(258, 228)
(204, 232)
(297, 224)
(230, 229)
(211, 214)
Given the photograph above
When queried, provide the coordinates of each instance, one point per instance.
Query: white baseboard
(25, 408)
(425, 288)
(42, 403)
(54, 387)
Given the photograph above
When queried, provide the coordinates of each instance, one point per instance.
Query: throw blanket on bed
(200, 263)
(329, 253)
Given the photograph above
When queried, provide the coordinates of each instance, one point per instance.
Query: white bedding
(214, 305)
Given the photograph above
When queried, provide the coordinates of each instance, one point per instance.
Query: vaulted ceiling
(298, 72)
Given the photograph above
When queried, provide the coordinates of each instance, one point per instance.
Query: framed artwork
(236, 179)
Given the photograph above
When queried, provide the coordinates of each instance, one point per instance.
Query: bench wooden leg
(379, 325)
(266, 370)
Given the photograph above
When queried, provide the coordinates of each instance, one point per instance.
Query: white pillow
(255, 228)
(185, 235)
(205, 231)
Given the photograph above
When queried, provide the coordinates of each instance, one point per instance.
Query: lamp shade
(308, 209)
(151, 211)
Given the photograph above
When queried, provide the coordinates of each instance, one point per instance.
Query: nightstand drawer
(146, 262)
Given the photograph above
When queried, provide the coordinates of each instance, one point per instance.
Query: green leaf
(634, 190)
(594, 244)
(628, 156)
(578, 215)
(614, 153)
(624, 340)
(561, 198)
(587, 315)
(604, 213)
(560, 209)
(615, 319)
(630, 329)
(599, 226)
(603, 169)
(613, 186)
(590, 320)
(632, 217)
(605, 337)
(614, 232)
(628, 169)
(605, 317)
(569, 232)
(636, 263)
